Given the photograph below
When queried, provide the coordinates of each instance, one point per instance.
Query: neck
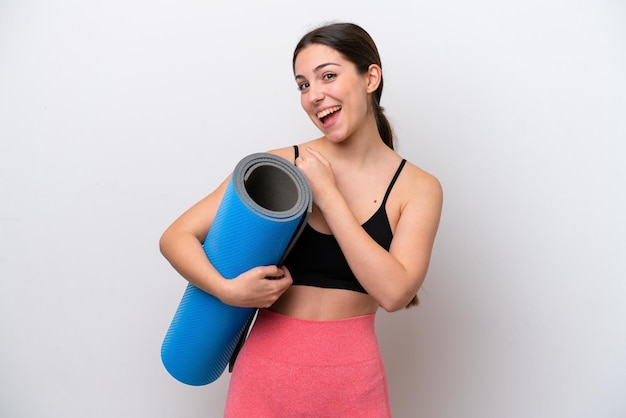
(360, 148)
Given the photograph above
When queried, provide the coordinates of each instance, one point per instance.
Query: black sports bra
(316, 258)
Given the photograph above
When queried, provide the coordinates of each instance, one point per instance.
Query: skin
(349, 169)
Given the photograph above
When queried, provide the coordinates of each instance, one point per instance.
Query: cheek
(304, 103)
(355, 94)
(359, 103)
(306, 106)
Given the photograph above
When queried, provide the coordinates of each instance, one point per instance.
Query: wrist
(222, 290)
(327, 199)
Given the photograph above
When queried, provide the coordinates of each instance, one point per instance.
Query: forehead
(313, 55)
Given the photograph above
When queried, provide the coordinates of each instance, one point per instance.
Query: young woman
(313, 350)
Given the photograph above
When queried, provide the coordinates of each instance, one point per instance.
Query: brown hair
(358, 47)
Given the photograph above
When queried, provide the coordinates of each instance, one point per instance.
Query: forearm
(251, 289)
(186, 255)
(181, 245)
(380, 273)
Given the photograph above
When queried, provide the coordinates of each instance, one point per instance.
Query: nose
(316, 93)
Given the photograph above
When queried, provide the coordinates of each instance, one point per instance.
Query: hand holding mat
(264, 208)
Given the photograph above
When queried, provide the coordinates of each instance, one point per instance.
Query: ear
(374, 76)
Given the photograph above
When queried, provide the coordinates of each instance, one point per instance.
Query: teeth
(328, 111)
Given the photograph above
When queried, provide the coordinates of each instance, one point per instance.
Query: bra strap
(393, 181)
(296, 152)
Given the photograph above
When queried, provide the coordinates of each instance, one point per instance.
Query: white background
(116, 116)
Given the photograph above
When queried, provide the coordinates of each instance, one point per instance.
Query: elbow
(397, 302)
(402, 297)
(393, 307)
(164, 243)
(403, 294)
(162, 246)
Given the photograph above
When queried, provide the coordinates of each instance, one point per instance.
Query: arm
(390, 277)
(181, 245)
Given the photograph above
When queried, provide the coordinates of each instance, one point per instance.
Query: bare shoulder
(286, 152)
(419, 206)
(289, 152)
(418, 183)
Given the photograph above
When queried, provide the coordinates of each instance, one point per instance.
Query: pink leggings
(292, 367)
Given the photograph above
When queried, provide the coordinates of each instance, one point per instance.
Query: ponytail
(414, 302)
(382, 123)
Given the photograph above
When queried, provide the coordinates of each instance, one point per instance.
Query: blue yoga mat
(264, 208)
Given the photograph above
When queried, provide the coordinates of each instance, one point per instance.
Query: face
(333, 93)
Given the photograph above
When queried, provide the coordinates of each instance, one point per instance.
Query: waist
(316, 303)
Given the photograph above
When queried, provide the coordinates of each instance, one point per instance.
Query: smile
(326, 112)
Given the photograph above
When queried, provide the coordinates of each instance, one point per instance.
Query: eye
(328, 76)
(303, 86)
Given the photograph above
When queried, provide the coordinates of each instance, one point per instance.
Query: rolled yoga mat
(266, 204)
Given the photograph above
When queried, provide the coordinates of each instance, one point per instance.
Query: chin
(335, 137)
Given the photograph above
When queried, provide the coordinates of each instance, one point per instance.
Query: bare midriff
(321, 304)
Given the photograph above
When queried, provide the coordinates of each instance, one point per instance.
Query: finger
(272, 272)
(282, 284)
(316, 154)
(286, 277)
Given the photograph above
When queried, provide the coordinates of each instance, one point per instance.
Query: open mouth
(324, 114)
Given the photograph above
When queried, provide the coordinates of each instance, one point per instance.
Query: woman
(313, 351)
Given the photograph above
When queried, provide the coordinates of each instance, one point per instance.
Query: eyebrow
(319, 67)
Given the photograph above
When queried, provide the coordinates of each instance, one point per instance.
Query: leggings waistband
(308, 342)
